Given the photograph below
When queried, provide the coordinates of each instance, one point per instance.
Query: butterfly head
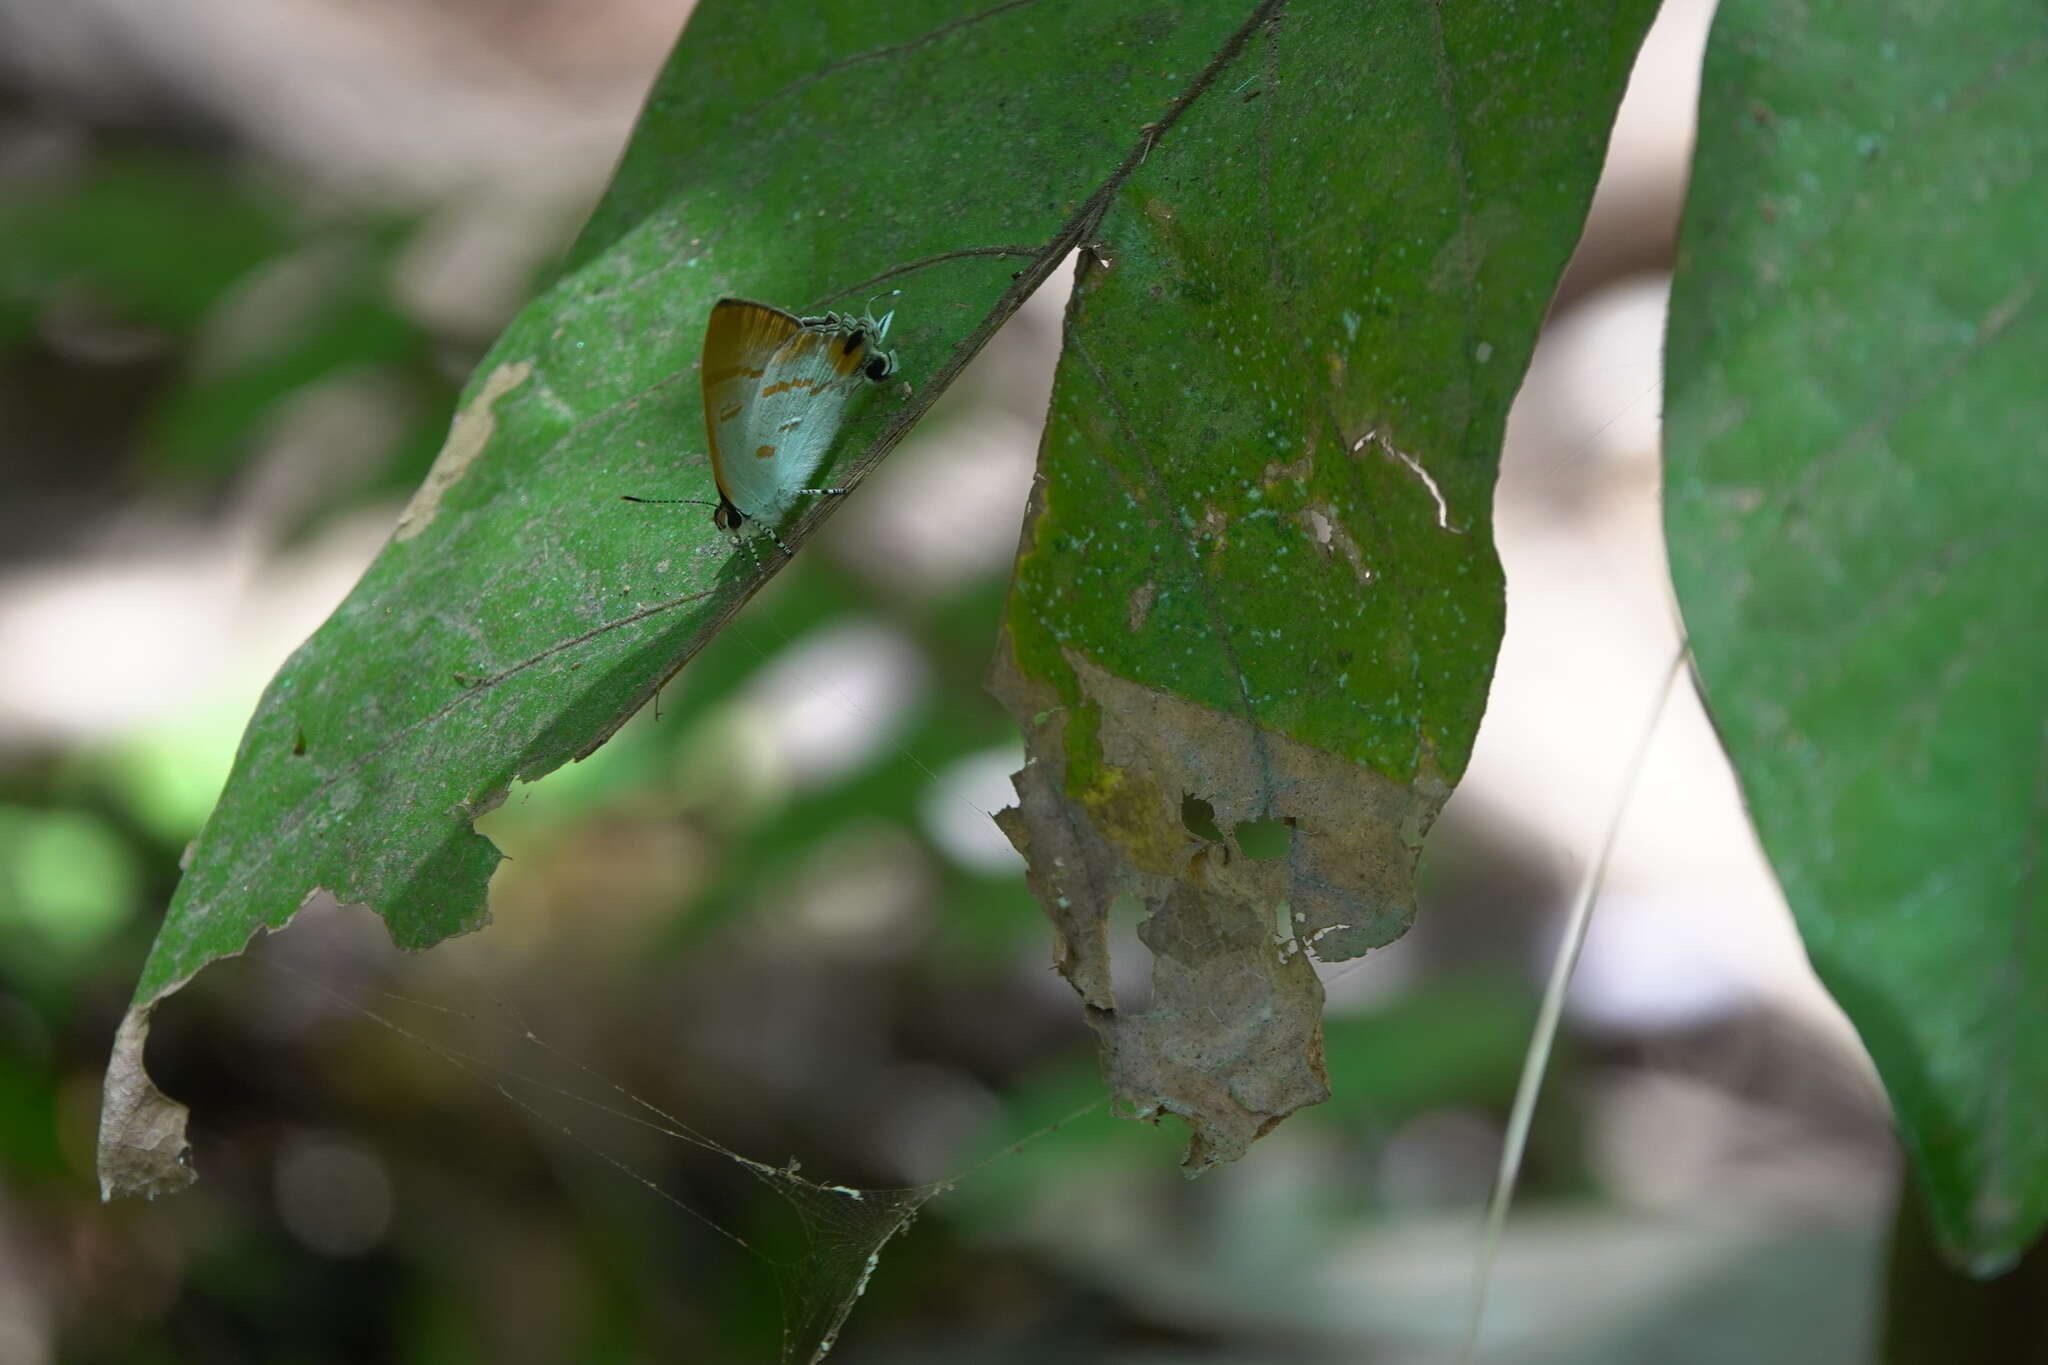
(879, 366)
(872, 331)
(864, 334)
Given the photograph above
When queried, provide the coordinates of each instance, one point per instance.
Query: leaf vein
(920, 264)
(833, 68)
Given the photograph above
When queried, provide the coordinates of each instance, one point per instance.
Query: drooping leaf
(810, 156)
(1257, 603)
(1856, 492)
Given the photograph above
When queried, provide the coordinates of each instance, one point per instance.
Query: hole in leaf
(1200, 818)
(1130, 957)
(1264, 839)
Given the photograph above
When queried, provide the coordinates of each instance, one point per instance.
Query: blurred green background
(247, 254)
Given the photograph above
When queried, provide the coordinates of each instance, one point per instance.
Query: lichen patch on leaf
(467, 437)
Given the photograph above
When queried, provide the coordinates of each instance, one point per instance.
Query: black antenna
(696, 502)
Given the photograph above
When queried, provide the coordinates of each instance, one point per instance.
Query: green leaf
(1856, 497)
(150, 239)
(1257, 604)
(521, 611)
(343, 325)
(66, 883)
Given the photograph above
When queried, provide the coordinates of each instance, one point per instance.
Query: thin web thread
(846, 1228)
(1541, 1041)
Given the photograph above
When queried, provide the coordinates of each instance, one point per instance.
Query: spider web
(842, 1230)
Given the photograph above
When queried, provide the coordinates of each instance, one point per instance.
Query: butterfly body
(776, 388)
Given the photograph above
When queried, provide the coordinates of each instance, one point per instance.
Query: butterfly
(776, 388)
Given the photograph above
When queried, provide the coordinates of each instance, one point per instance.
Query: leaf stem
(1544, 1037)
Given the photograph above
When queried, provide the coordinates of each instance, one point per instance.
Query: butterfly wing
(739, 342)
(775, 393)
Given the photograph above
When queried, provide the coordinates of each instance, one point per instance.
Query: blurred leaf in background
(202, 305)
(1856, 494)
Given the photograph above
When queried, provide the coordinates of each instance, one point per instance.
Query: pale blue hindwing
(794, 409)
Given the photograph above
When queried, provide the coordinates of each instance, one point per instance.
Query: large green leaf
(1856, 499)
(521, 611)
(1257, 604)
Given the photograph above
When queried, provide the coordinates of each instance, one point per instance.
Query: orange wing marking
(731, 372)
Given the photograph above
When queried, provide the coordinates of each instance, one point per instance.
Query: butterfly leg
(747, 542)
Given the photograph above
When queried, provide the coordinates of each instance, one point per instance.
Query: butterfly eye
(877, 369)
